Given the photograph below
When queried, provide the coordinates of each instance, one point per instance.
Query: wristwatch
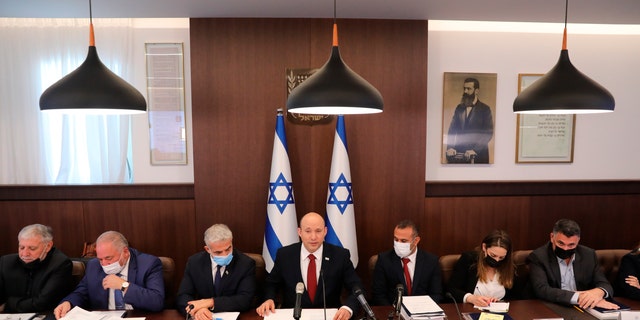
(125, 285)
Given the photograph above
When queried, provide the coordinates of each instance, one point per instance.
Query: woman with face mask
(486, 274)
(627, 284)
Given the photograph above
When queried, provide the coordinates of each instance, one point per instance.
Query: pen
(578, 308)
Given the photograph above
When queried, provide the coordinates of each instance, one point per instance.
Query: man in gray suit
(562, 271)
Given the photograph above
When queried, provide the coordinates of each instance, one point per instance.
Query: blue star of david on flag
(333, 197)
(279, 184)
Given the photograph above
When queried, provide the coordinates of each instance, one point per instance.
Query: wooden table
(518, 310)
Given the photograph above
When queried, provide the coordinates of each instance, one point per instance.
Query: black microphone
(358, 293)
(324, 295)
(297, 310)
(455, 303)
(399, 292)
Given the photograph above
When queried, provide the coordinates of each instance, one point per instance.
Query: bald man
(292, 266)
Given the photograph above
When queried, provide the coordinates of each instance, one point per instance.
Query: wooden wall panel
(158, 227)
(64, 217)
(238, 69)
(459, 223)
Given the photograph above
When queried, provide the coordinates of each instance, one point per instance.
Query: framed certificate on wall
(543, 138)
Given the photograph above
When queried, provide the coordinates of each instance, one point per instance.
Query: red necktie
(407, 275)
(312, 282)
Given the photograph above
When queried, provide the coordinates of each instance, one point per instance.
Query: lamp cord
(92, 39)
(564, 37)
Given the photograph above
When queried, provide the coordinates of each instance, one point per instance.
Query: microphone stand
(455, 303)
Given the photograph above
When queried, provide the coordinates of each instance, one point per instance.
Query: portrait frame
(453, 88)
(166, 103)
(543, 138)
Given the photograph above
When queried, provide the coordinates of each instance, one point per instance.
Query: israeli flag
(341, 222)
(281, 228)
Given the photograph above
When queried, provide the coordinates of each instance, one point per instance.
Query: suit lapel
(555, 268)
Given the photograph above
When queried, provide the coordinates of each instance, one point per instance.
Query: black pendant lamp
(92, 89)
(564, 89)
(335, 88)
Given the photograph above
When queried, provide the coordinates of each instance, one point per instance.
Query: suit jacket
(337, 270)
(38, 289)
(389, 272)
(464, 278)
(629, 266)
(544, 274)
(238, 283)
(471, 132)
(146, 285)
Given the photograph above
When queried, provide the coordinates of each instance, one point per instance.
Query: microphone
(297, 310)
(358, 293)
(399, 291)
(324, 295)
(455, 303)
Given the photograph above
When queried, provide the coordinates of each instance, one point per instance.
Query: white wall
(160, 31)
(606, 145)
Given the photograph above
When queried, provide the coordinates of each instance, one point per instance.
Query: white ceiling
(580, 11)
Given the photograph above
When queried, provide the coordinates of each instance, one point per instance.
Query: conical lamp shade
(92, 89)
(566, 90)
(335, 89)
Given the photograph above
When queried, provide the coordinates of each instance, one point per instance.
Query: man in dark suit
(423, 269)
(562, 271)
(118, 278)
(37, 277)
(292, 266)
(218, 279)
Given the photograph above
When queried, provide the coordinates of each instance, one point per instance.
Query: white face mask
(113, 268)
(402, 249)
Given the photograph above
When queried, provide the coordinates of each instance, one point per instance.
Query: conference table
(518, 310)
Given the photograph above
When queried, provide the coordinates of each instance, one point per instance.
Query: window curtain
(45, 148)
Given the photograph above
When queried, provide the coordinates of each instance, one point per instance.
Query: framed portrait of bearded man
(468, 118)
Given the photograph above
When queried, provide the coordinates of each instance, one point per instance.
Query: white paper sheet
(307, 314)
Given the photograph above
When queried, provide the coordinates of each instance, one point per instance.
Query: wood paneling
(456, 224)
(238, 69)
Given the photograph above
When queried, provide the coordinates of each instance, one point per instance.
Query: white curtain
(43, 148)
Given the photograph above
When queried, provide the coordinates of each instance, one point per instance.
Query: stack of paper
(420, 308)
(496, 307)
(78, 313)
(17, 316)
(603, 314)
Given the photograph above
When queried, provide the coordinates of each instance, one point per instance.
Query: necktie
(312, 283)
(218, 281)
(407, 275)
(118, 299)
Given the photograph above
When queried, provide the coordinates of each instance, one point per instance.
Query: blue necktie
(118, 298)
(218, 281)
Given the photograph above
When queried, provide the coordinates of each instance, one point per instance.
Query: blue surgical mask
(223, 260)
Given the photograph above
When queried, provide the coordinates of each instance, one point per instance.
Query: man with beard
(37, 277)
(471, 128)
(564, 272)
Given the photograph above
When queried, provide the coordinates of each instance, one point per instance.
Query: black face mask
(493, 263)
(563, 254)
(31, 265)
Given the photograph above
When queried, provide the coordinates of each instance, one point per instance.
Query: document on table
(421, 305)
(78, 313)
(497, 307)
(226, 315)
(307, 314)
(17, 316)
